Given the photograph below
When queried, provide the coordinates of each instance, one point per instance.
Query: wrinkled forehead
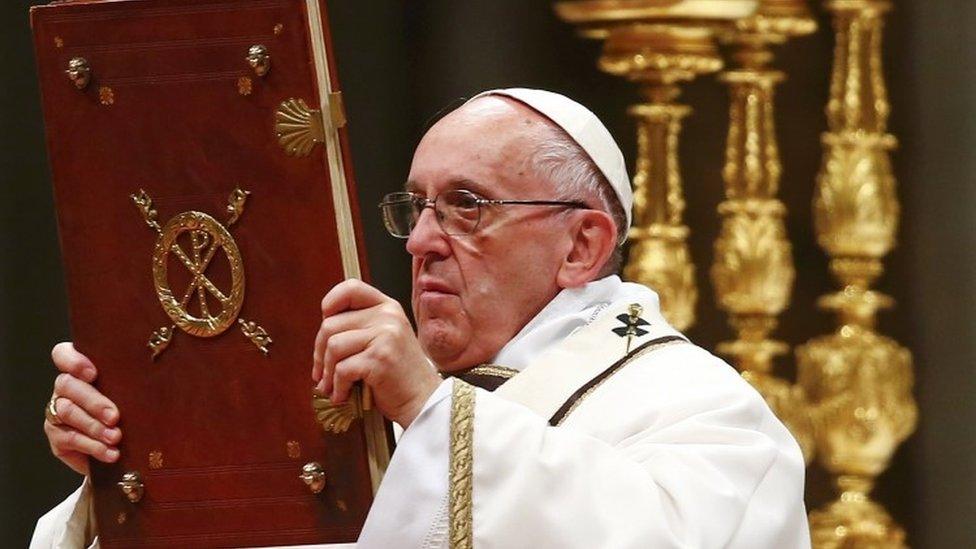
(496, 113)
(489, 143)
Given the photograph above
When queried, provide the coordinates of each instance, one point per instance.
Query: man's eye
(463, 201)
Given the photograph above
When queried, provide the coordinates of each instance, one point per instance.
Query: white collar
(570, 310)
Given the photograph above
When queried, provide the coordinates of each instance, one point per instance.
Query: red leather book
(205, 205)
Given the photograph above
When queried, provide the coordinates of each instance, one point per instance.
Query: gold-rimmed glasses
(458, 211)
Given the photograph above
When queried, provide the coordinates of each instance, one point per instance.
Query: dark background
(402, 62)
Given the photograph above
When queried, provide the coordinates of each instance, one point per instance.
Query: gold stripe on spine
(373, 423)
(461, 476)
(858, 381)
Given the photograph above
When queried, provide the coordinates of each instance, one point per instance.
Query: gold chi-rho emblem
(194, 238)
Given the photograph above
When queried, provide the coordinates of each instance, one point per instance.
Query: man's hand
(88, 419)
(366, 336)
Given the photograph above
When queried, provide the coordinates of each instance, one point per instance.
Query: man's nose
(427, 237)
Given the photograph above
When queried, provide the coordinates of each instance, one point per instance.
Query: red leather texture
(227, 427)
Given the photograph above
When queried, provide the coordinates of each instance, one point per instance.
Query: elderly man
(545, 402)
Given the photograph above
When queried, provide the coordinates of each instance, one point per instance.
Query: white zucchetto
(585, 129)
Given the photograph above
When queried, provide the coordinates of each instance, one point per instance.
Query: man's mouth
(432, 286)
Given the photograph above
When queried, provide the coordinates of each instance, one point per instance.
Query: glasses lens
(458, 211)
(400, 213)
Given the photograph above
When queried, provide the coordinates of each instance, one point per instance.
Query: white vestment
(603, 439)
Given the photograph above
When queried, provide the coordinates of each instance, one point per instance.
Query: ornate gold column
(753, 270)
(659, 45)
(859, 382)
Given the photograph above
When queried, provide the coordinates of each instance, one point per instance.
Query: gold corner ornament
(258, 335)
(160, 339)
(204, 236)
(299, 127)
(337, 418)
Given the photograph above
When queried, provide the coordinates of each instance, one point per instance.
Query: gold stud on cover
(313, 476)
(258, 59)
(79, 72)
(132, 487)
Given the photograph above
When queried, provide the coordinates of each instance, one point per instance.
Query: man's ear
(594, 238)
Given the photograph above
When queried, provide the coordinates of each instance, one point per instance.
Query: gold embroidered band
(486, 376)
(461, 465)
(493, 370)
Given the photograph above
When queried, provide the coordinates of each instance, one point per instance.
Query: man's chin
(442, 341)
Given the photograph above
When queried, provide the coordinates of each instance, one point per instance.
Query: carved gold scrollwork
(855, 208)
(753, 269)
(858, 381)
(861, 385)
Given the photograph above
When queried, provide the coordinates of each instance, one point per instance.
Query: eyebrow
(463, 183)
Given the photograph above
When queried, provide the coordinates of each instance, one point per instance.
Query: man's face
(473, 293)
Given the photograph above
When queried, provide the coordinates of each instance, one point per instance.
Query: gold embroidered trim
(589, 391)
(493, 370)
(461, 465)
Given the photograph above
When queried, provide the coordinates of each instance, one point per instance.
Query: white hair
(562, 161)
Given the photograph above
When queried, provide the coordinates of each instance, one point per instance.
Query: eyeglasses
(458, 211)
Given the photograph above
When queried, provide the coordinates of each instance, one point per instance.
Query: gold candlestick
(658, 45)
(859, 382)
(753, 270)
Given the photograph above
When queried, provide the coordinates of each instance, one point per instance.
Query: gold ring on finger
(51, 411)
